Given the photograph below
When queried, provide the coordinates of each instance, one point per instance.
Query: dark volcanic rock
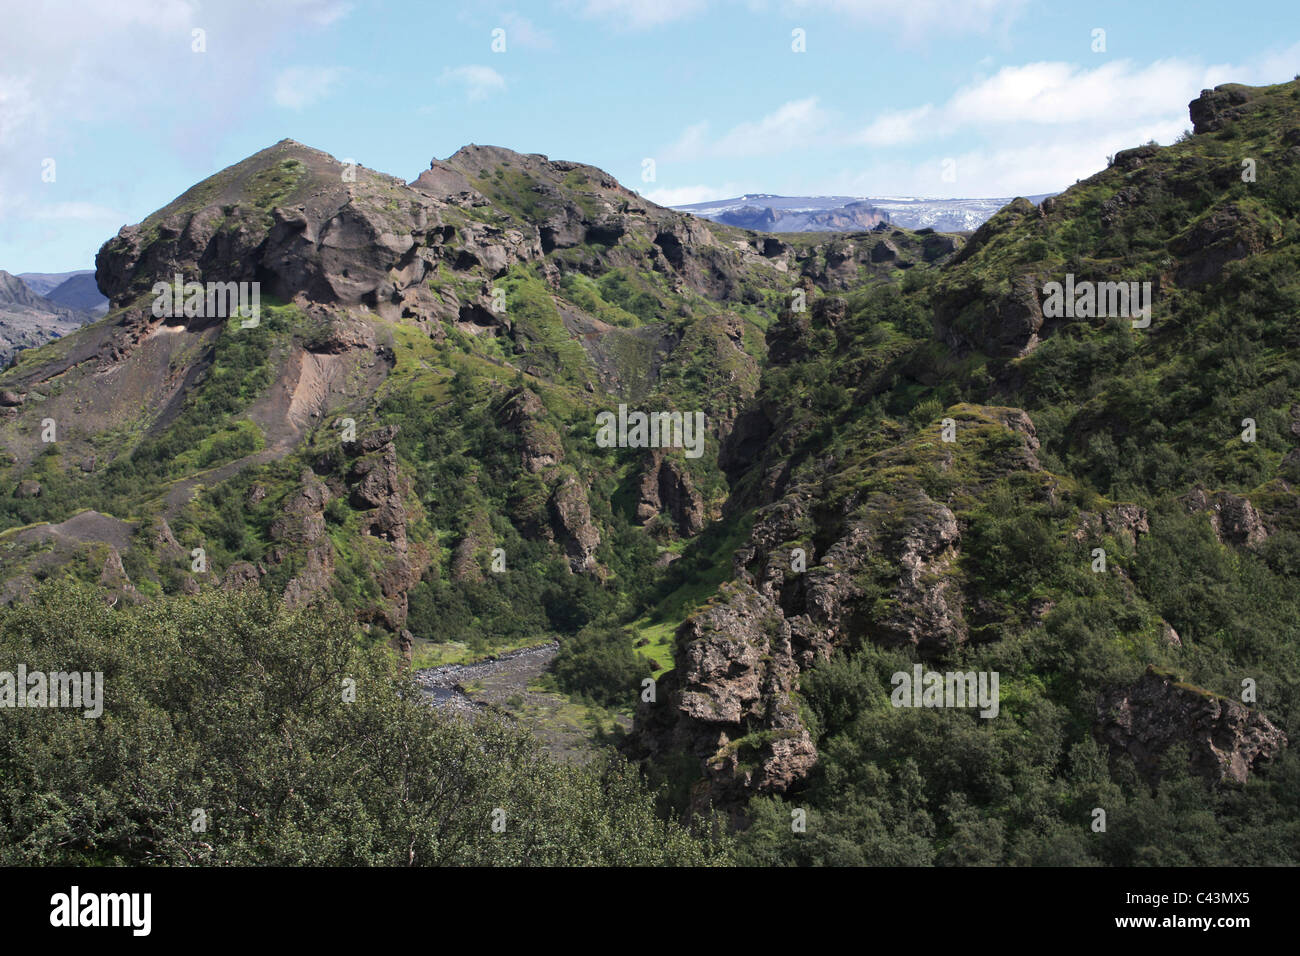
(1214, 108)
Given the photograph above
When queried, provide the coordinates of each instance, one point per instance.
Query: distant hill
(28, 319)
(769, 213)
(44, 282)
(79, 291)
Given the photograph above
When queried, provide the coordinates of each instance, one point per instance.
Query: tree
(236, 731)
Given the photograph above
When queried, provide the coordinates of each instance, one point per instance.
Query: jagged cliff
(547, 284)
(910, 456)
(875, 531)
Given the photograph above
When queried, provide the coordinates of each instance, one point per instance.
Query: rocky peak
(1214, 108)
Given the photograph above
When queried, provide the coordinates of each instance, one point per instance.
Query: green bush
(236, 707)
(600, 664)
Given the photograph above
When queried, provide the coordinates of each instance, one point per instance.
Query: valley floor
(515, 685)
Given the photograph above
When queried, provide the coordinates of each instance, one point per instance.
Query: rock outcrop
(301, 528)
(1226, 740)
(1215, 108)
(571, 521)
(1227, 234)
(825, 564)
(666, 489)
(729, 702)
(377, 487)
(1233, 518)
(997, 323)
(522, 413)
(1126, 521)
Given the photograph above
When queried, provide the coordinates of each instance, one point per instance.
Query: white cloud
(297, 87)
(82, 211)
(799, 123)
(522, 32)
(1064, 94)
(795, 123)
(639, 14)
(479, 82)
(896, 128)
(1048, 94)
(685, 195)
(1038, 127)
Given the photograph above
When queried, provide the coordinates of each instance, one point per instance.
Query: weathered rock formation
(822, 559)
(1226, 740)
(571, 521)
(1233, 518)
(301, 528)
(666, 489)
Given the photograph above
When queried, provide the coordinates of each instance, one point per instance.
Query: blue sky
(1008, 96)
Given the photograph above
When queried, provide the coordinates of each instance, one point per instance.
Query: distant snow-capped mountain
(770, 213)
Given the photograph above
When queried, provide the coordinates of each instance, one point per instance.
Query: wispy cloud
(522, 32)
(912, 18)
(479, 82)
(897, 127)
(794, 125)
(685, 195)
(1112, 95)
(1024, 129)
(77, 211)
(298, 87)
(640, 14)
(320, 12)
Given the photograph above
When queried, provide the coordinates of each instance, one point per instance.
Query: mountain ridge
(28, 318)
(910, 460)
(768, 212)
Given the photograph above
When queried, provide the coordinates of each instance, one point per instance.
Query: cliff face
(546, 291)
(1226, 740)
(871, 552)
(871, 529)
